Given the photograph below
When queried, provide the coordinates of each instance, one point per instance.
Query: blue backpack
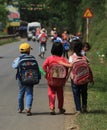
(66, 46)
(28, 70)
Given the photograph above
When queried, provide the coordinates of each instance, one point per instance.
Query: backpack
(66, 46)
(57, 75)
(81, 72)
(28, 70)
(43, 38)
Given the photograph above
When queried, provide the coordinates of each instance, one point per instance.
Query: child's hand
(65, 64)
(61, 62)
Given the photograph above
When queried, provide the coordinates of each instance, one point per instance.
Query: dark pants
(80, 95)
(65, 54)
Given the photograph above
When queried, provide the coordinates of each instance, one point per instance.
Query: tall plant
(3, 14)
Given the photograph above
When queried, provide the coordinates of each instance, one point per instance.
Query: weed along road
(9, 118)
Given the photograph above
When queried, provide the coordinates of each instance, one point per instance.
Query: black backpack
(28, 70)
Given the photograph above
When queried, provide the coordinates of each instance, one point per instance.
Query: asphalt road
(9, 118)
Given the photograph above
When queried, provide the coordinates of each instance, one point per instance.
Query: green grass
(3, 33)
(8, 40)
(96, 119)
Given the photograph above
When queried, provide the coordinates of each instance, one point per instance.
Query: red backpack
(43, 38)
(81, 71)
(57, 75)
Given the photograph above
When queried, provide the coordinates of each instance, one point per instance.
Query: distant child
(55, 84)
(27, 75)
(57, 37)
(66, 48)
(43, 42)
(86, 47)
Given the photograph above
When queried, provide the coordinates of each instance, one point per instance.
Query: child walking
(86, 47)
(53, 90)
(26, 59)
(79, 91)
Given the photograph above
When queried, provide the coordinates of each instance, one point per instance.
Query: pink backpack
(81, 72)
(57, 75)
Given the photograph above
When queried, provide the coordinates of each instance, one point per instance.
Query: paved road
(9, 118)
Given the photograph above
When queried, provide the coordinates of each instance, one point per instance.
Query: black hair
(87, 45)
(57, 49)
(76, 46)
(25, 53)
(58, 34)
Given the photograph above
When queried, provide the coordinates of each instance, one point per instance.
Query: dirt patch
(70, 115)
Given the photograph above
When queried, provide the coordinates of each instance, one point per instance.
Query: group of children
(78, 50)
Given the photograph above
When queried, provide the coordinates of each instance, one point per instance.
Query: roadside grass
(8, 40)
(3, 33)
(96, 118)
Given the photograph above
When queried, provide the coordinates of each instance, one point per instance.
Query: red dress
(53, 91)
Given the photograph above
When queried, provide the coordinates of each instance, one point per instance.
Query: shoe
(19, 111)
(28, 112)
(52, 112)
(78, 113)
(84, 109)
(62, 111)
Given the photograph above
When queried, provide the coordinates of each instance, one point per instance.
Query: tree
(31, 7)
(65, 12)
(3, 13)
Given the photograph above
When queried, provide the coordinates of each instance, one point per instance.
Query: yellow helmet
(24, 47)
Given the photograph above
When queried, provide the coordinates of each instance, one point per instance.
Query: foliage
(3, 12)
(65, 12)
(7, 41)
(34, 10)
(61, 14)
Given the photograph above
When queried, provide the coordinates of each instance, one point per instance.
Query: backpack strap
(17, 73)
(79, 58)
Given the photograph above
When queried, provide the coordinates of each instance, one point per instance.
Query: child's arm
(65, 64)
(15, 63)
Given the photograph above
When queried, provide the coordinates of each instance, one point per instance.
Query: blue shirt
(15, 63)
